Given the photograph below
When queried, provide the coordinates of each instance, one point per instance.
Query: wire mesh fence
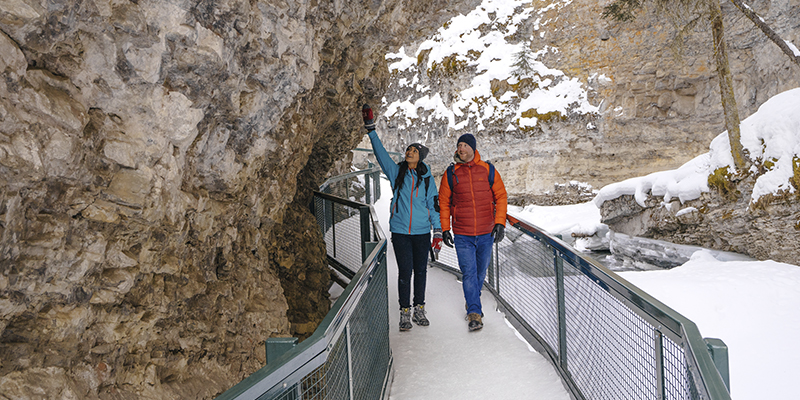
(526, 280)
(348, 356)
(341, 228)
(610, 348)
(358, 363)
(606, 338)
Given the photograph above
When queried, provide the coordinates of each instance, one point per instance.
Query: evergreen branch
(622, 10)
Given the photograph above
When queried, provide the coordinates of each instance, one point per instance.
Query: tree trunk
(752, 16)
(726, 86)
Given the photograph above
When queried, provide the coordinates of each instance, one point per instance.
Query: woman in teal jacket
(413, 214)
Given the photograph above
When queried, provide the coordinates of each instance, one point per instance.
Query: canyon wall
(657, 98)
(157, 160)
(156, 163)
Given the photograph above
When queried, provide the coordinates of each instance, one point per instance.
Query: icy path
(446, 361)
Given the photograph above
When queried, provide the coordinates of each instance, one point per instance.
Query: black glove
(447, 238)
(499, 232)
(369, 120)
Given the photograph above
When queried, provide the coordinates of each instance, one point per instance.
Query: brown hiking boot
(475, 322)
(466, 308)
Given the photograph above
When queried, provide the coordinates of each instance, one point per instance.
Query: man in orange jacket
(476, 202)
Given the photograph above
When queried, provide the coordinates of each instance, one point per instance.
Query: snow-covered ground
(446, 361)
(750, 305)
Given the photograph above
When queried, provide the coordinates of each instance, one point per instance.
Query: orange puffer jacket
(475, 207)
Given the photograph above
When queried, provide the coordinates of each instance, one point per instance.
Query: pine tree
(523, 62)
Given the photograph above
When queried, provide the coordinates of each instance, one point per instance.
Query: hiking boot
(466, 308)
(405, 319)
(475, 322)
(419, 317)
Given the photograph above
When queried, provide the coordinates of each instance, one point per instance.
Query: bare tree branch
(759, 22)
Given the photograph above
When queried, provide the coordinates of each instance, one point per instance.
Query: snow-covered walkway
(446, 361)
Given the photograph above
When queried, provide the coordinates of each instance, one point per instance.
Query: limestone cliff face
(156, 162)
(659, 104)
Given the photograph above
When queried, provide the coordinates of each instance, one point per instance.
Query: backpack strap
(451, 176)
(491, 174)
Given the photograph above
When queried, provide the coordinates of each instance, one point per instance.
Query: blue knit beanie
(469, 140)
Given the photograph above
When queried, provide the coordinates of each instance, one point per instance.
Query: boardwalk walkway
(446, 361)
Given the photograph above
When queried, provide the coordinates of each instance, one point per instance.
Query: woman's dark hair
(421, 170)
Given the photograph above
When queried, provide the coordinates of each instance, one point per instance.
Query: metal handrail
(290, 368)
(647, 307)
(677, 327)
(668, 322)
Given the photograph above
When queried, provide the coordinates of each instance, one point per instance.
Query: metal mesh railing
(341, 224)
(610, 349)
(607, 339)
(348, 356)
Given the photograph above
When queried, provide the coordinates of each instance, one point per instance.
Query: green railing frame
(709, 374)
(299, 360)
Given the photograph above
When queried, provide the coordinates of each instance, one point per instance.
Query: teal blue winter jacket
(412, 209)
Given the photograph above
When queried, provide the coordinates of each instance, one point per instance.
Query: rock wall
(156, 162)
(659, 102)
(157, 158)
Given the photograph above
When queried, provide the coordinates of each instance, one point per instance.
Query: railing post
(376, 177)
(333, 227)
(659, 347)
(562, 314)
(496, 269)
(349, 361)
(367, 189)
(365, 238)
(719, 354)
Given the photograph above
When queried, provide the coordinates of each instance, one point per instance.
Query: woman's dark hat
(423, 151)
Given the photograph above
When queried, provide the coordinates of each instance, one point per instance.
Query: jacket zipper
(411, 202)
(474, 209)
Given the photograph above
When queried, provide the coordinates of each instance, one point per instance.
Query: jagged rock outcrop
(156, 163)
